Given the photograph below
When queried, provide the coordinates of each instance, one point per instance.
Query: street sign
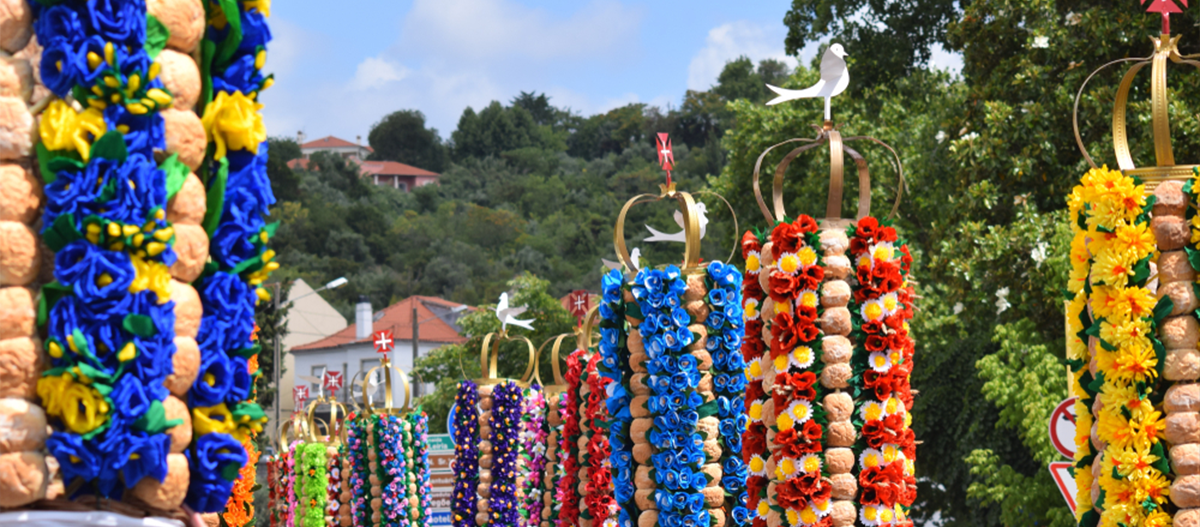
(300, 395)
(1061, 470)
(1062, 427)
(332, 380)
(384, 341)
(441, 479)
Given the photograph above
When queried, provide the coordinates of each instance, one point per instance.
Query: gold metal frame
(1166, 48)
(837, 147)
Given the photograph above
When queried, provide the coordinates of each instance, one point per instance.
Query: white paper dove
(834, 79)
(634, 257)
(316, 381)
(507, 315)
(656, 236)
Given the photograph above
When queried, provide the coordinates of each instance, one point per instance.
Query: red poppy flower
(805, 223)
(905, 260)
(807, 282)
(790, 496)
(807, 332)
(863, 274)
(782, 286)
(750, 286)
(815, 271)
(886, 234)
(867, 228)
(812, 431)
(858, 245)
(806, 314)
(784, 239)
(875, 343)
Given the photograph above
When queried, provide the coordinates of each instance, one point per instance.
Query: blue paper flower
(118, 21)
(98, 277)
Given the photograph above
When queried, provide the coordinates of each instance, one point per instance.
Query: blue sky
(342, 66)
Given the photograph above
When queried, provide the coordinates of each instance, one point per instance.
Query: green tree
(402, 136)
(494, 130)
(885, 40)
(740, 80)
(284, 183)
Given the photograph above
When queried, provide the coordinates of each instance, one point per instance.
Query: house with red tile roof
(382, 173)
(352, 350)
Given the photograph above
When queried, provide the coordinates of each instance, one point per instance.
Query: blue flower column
(22, 421)
(675, 430)
(109, 316)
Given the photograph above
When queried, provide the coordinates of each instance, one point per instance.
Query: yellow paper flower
(807, 255)
(79, 406)
(152, 275)
(753, 262)
(209, 419)
(1137, 240)
(61, 128)
(807, 298)
(1127, 333)
(232, 122)
(1114, 268)
(750, 309)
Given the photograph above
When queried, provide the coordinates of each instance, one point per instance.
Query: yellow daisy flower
(1136, 239)
(807, 256)
(1114, 268)
(753, 262)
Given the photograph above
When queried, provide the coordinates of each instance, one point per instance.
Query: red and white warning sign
(1061, 471)
(1062, 427)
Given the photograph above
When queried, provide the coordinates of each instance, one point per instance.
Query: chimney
(358, 139)
(364, 323)
(300, 136)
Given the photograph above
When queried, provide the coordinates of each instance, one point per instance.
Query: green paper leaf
(226, 48)
(216, 197)
(157, 35)
(110, 146)
(1141, 271)
(248, 352)
(155, 420)
(177, 174)
(140, 325)
(230, 473)
(51, 293)
(1193, 258)
(1163, 308)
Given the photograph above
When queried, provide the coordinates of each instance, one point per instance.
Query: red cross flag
(384, 341)
(578, 303)
(666, 158)
(332, 380)
(300, 395)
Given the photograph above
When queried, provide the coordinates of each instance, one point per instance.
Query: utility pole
(416, 338)
(277, 364)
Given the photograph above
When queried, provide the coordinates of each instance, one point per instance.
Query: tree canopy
(402, 136)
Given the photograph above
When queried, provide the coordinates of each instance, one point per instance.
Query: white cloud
(375, 72)
(450, 54)
(732, 40)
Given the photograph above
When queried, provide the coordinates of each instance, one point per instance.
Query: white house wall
(352, 356)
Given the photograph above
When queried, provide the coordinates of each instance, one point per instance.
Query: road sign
(300, 395)
(384, 341)
(332, 380)
(1062, 427)
(441, 479)
(1061, 470)
(450, 423)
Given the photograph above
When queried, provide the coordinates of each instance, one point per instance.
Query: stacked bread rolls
(23, 472)
(836, 351)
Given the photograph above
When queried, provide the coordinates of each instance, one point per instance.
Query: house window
(401, 186)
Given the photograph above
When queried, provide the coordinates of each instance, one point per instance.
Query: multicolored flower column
(1119, 367)
(880, 309)
(233, 171)
(505, 424)
(358, 473)
(463, 508)
(755, 452)
(532, 454)
(555, 460)
(419, 486)
(109, 316)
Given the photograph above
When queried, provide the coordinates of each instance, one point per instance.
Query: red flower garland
(881, 311)
(601, 503)
(754, 439)
(568, 494)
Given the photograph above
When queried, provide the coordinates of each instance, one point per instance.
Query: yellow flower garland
(1110, 253)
